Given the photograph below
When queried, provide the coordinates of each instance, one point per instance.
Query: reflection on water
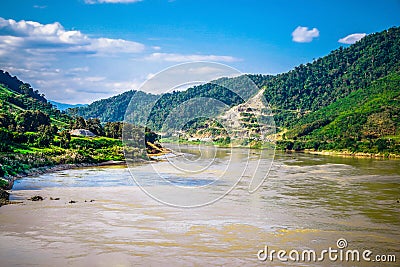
(308, 201)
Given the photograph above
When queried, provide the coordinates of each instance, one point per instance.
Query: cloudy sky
(78, 51)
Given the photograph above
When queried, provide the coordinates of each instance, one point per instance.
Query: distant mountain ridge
(114, 108)
(64, 106)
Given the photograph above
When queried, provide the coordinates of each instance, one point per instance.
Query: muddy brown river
(308, 202)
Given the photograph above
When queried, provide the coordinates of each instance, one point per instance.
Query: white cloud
(79, 69)
(91, 2)
(95, 78)
(39, 6)
(304, 35)
(106, 45)
(171, 57)
(35, 37)
(352, 38)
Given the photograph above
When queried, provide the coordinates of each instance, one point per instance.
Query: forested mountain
(305, 88)
(367, 120)
(311, 103)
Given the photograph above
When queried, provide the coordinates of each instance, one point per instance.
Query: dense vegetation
(25, 98)
(367, 120)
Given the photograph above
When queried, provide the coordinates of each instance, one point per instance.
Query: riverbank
(223, 144)
(349, 154)
(28, 161)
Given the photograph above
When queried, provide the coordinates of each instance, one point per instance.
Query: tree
(31, 120)
(65, 138)
(6, 138)
(151, 136)
(79, 123)
(45, 135)
(113, 129)
(95, 127)
(26, 89)
(6, 120)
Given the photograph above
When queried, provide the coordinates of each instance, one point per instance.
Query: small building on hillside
(82, 132)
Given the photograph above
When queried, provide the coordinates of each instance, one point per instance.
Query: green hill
(113, 109)
(19, 87)
(14, 102)
(318, 84)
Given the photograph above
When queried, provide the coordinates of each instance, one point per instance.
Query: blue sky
(78, 51)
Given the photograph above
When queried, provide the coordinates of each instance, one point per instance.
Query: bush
(3, 182)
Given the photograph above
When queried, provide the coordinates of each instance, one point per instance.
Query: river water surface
(306, 202)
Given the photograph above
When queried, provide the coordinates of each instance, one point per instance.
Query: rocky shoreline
(4, 195)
